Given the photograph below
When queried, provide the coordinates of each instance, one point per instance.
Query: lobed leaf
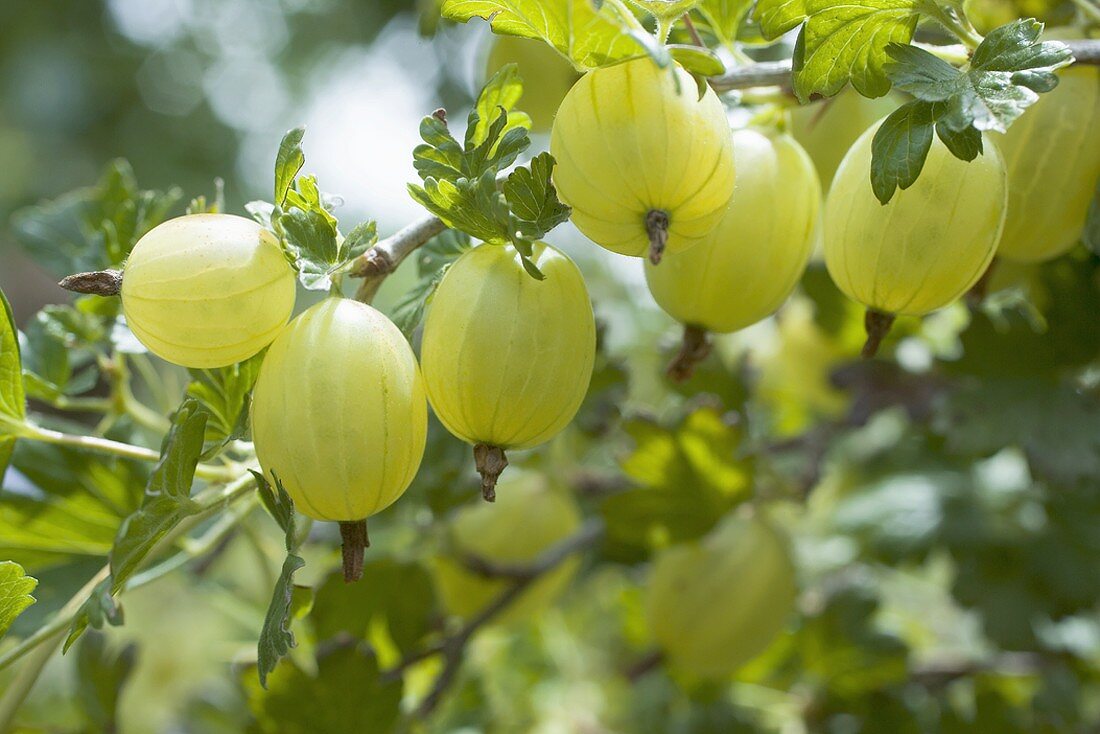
(15, 593)
(846, 42)
(587, 36)
(1005, 76)
(276, 639)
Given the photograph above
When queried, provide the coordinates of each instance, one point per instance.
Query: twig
(380, 261)
(453, 647)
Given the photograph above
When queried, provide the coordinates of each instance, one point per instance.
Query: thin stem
(47, 637)
(80, 405)
(117, 448)
(664, 28)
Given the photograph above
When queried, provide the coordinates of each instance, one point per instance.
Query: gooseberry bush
(768, 534)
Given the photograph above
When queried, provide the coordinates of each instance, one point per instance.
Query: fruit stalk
(356, 542)
(491, 462)
(878, 326)
(694, 348)
(656, 226)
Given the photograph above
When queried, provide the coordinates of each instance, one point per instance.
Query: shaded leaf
(102, 675)
(167, 497)
(347, 693)
(15, 593)
(223, 395)
(276, 639)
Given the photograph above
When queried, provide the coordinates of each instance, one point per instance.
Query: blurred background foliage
(943, 501)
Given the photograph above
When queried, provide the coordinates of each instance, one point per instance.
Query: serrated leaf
(359, 240)
(313, 237)
(15, 593)
(432, 262)
(501, 92)
(276, 639)
(587, 36)
(92, 228)
(846, 42)
(1007, 72)
(288, 162)
(776, 17)
(533, 199)
(167, 497)
(223, 394)
(900, 147)
(1005, 76)
(723, 18)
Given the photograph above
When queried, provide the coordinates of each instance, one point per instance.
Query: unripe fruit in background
(529, 519)
(547, 76)
(827, 129)
(744, 270)
(715, 604)
(645, 163)
(507, 358)
(1052, 154)
(339, 416)
(207, 290)
(927, 246)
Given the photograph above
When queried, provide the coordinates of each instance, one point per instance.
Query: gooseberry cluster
(727, 222)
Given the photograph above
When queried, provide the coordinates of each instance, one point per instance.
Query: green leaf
(200, 204)
(167, 496)
(93, 228)
(1007, 72)
(533, 199)
(697, 61)
(359, 240)
(690, 475)
(432, 262)
(395, 599)
(98, 610)
(1057, 426)
(586, 36)
(15, 593)
(102, 675)
(288, 162)
(666, 9)
(13, 408)
(223, 395)
(846, 42)
(900, 147)
(502, 91)
(347, 693)
(1005, 76)
(312, 237)
(276, 639)
(776, 17)
(78, 503)
(723, 18)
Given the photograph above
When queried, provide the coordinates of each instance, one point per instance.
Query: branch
(453, 647)
(778, 73)
(380, 261)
